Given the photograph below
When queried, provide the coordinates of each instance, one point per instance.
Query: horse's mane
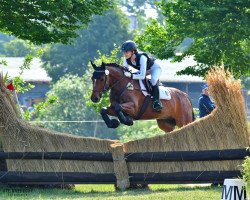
(115, 65)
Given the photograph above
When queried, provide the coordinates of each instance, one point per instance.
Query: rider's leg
(155, 75)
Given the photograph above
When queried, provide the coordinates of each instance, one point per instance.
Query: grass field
(94, 192)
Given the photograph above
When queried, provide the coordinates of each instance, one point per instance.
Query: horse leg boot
(157, 105)
(114, 123)
(123, 119)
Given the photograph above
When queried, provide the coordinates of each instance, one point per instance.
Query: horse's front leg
(128, 108)
(111, 123)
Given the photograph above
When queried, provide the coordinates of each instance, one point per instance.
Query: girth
(143, 107)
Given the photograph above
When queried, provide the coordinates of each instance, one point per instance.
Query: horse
(128, 103)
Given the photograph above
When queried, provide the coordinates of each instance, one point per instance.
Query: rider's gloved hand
(128, 74)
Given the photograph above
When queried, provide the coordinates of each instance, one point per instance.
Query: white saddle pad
(164, 92)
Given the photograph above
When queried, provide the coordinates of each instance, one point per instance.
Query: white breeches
(155, 72)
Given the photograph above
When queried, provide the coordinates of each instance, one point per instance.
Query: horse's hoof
(114, 123)
(103, 111)
(129, 121)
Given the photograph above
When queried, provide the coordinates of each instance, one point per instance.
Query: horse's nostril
(96, 99)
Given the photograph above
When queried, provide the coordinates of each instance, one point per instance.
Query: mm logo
(233, 193)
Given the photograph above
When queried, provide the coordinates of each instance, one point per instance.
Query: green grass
(94, 192)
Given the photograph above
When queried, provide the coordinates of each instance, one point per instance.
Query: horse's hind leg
(185, 119)
(165, 125)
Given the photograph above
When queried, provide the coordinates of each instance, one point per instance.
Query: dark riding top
(150, 61)
(206, 105)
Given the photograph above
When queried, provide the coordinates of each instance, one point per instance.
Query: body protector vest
(150, 61)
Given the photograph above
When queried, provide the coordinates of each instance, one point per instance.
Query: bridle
(105, 87)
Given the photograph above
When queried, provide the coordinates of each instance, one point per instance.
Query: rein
(116, 83)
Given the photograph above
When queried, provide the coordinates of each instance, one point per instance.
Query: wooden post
(120, 166)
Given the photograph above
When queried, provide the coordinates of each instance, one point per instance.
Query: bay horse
(128, 101)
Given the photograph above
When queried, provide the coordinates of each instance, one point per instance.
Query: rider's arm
(141, 74)
(125, 64)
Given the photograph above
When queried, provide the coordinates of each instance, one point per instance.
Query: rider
(145, 65)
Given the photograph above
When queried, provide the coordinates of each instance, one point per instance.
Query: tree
(14, 47)
(19, 48)
(71, 94)
(140, 130)
(219, 31)
(48, 21)
(3, 39)
(139, 7)
(102, 34)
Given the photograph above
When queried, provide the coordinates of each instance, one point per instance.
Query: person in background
(206, 105)
(145, 65)
(31, 107)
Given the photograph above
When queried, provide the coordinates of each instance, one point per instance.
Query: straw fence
(224, 129)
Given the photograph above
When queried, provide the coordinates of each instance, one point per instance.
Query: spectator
(206, 105)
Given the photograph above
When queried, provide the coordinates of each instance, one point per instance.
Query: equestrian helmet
(129, 45)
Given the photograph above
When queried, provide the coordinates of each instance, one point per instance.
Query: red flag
(11, 87)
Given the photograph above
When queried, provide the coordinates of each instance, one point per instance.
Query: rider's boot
(157, 105)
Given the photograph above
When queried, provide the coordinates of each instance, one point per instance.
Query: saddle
(148, 85)
(146, 88)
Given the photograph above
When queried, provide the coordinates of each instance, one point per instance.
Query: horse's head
(99, 79)
(105, 77)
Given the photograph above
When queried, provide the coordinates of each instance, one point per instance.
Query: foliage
(19, 48)
(140, 129)
(48, 21)
(139, 7)
(246, 170)
(3, 39)
(220, 33)
(14, 47)
(18, 82)
(102, 34)
(40, 107)
(71, 94)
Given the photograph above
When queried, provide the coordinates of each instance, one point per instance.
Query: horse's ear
(93, 65)
(103, 65)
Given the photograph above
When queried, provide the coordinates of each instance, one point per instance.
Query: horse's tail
(193, 116)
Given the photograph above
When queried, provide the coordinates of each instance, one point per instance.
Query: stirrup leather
(157, 105)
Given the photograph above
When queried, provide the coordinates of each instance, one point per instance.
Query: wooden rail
(91, 178)
(229, 154)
